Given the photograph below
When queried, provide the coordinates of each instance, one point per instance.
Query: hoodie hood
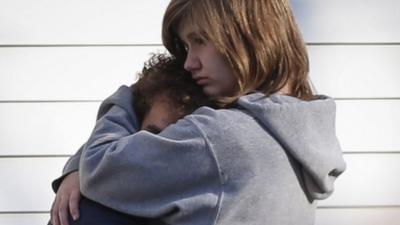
(306, 130)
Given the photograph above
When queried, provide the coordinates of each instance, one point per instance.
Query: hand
(67, 198)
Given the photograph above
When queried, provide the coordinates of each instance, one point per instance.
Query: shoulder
(207, 125)
(211, 120)
(206, 113)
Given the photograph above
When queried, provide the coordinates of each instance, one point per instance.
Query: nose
(192, 62)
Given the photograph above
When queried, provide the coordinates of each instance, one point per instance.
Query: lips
(201, 80)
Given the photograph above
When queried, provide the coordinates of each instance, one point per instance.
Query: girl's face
(206, 65)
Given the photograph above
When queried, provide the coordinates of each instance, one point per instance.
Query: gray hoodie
(265, 161)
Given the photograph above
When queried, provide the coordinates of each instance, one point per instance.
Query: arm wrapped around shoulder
(149, 175)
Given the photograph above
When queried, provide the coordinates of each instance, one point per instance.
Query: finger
(74, 204)
(63, 211)
(54, 212)
(51, 211)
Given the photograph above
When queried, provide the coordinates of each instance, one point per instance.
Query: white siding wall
(59, 59)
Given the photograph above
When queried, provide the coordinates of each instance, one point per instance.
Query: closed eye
(152, 129)
(195, 39)
(198, 41)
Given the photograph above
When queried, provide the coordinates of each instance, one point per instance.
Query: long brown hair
(259, 39)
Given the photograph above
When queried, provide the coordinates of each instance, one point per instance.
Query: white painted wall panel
(81, 22)
(24, 219)
(45, 128)
(91, 73)
(369, 125)
(370, 180)
(26, 183)
(139, 22)
(69, 73)
(356, 71)
(354, 216)
(336, 21)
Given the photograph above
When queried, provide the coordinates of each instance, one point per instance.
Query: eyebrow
(190, 36)
(152, 129)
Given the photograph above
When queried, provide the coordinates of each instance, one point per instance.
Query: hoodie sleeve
(123, 97)
(148, 175)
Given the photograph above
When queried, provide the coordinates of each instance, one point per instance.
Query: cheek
(228, 81)
(145, 123)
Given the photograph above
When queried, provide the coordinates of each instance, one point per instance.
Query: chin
(212, 92)
(209, 91)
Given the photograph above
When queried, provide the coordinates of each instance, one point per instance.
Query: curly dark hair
(164, 75)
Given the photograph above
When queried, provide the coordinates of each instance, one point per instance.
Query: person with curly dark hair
(164, 93)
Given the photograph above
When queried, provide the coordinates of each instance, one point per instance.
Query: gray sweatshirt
(265, 161)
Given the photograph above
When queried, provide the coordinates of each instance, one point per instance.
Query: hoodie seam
(214, 157)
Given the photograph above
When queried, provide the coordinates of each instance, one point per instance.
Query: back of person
(262, 173)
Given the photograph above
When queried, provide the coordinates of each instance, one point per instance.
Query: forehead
(191, 26)
(162, 113)
(162, 102)
(186, 28)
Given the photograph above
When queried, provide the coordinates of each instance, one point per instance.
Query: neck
(285, 90)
